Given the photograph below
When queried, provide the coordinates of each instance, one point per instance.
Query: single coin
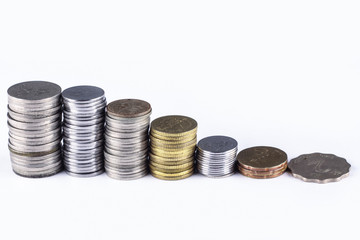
(172, 178)
(173, 125)
(33, 91)
(319, 167)
(128, 108)
(217, 144)
(83, 93)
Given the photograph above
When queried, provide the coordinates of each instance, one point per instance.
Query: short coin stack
(172, 147)
(262, 162)
(216, 156)
(84, 118)
(127, 139)
(34, 120)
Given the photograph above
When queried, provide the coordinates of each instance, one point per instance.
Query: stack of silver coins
(83, 129)
(34, 120)
(127, 139)
(216, 156)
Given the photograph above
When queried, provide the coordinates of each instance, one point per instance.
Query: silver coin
(319, 168)
(34, 91)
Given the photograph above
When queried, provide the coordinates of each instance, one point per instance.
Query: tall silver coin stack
(216, 156)
(127, 139)
(83, 127)
(34, 121)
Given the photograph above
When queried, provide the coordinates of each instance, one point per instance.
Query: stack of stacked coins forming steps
(172, 147)
(127, 139)
(216, 156)
(84, 119)
(34, 120)
(262, 162)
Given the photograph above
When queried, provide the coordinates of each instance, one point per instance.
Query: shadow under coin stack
(172, 147)
(216, 156)
(127, 139)
(262, 162)
(84, 118)
(34, 120)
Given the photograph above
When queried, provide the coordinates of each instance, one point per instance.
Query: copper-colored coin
(262, 174)
(262, 162)
(129, 108)
(262, 158)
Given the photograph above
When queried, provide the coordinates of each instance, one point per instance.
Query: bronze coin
(128, 108)
(262, 158)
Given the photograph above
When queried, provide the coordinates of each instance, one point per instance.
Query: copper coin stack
(127, 139)
(262, 162)
(172, 145)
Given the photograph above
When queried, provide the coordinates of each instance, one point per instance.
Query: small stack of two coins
(172, 147)
(262, 162)
(127, 139)
(34, 120)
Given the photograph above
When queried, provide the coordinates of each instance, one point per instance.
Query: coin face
(174, 124)
(83, 93)
(34, 90)
(262, 158)
(319, 167)
(129, 108)
(217, 144)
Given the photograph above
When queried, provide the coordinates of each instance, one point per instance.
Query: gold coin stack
(172, 147)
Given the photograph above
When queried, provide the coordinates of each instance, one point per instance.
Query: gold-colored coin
(178, 139)
(170, 145)
(173, 126)
(172, 178)
(178, 154)
(174, 151)
(170, 161)
(174, 169)
(172, 175)
(178, 166)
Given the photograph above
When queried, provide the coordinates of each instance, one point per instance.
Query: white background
(278, 73)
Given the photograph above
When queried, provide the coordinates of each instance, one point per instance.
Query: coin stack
(216, 156)
(172, 147)
(83, 127)
(127, 139)
(34, 120)
(262, 162)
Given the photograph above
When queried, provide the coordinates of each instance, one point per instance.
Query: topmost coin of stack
(34, 120)
(172, 147)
